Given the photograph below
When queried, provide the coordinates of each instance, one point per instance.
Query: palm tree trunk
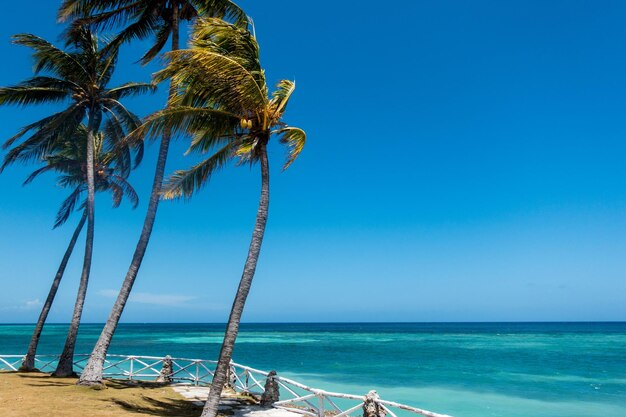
(65, 367)
(28, 364)
(226, 353)
(92, 374)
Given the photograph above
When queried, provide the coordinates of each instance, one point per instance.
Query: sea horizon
(339, 322)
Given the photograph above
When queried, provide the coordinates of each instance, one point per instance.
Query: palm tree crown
(144, 18)
(222, 102)
(78, 77)
(111, 166)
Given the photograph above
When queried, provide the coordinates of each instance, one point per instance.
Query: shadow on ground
(155, 407)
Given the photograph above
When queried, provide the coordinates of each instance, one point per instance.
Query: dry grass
(36, 394)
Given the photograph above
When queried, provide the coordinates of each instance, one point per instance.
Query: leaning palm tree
(222, 102)
(68, 158)
(141, 19)
(77, 76)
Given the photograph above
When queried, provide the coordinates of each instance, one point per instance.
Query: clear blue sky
(466, 162)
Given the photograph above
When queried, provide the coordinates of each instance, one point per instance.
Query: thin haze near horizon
(465, 162)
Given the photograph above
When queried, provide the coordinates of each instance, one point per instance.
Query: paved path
(231, 403)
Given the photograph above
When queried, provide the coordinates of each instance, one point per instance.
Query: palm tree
(141, 19)
(78, 76)
(222, 102)
(112, 167)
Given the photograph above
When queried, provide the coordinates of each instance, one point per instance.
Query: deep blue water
(462, 369)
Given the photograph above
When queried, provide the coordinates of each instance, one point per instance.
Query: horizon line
(344, 322)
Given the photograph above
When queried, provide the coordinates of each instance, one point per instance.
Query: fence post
(271, 393)
(320, 402)
(229, 377)
(371, 408)
(165, 376)
(130, 374)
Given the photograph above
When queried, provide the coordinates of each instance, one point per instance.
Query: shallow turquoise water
(473, 370)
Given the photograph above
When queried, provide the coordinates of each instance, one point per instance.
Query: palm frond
(284, 90)
(102, 12)
(294, 138)
(247, 150)
(26, 95)
(37, 172)
(67, 207)
(223, 38)
(161, 35)
(210, 79)
(126, 190)
(116, 194)
(187, 120)
(41, 81)
(143, 25)
(125, 117)
(184, 183)
(222, 9)
(141, 18)
(56, 120)
(114, 153)
(38, 144)
(130, 89)
(50, 58)
(107, 62)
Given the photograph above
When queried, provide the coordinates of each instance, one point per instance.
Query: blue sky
(465, 162)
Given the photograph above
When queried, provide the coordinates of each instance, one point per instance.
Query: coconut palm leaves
(144, 18)
(222, 102)
(77, 78)
(111, 166)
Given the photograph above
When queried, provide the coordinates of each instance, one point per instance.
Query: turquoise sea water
(471, 370)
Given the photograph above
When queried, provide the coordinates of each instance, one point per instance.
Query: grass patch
(37, 394)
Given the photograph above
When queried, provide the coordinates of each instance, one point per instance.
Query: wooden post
(271, 393)
(320, 406)
(229, 377)
(371, 408)
(165, 377)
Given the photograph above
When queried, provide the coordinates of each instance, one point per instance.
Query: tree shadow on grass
(154, 407)
(44, 380)
(125, 384)
(49, 384)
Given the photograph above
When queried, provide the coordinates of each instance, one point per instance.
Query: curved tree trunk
(28, 364)
(92, 374)
(65, 367)
(226, 353)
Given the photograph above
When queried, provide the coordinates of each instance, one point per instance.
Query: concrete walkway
(231, 403)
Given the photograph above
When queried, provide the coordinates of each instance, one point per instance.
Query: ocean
(460, 369)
